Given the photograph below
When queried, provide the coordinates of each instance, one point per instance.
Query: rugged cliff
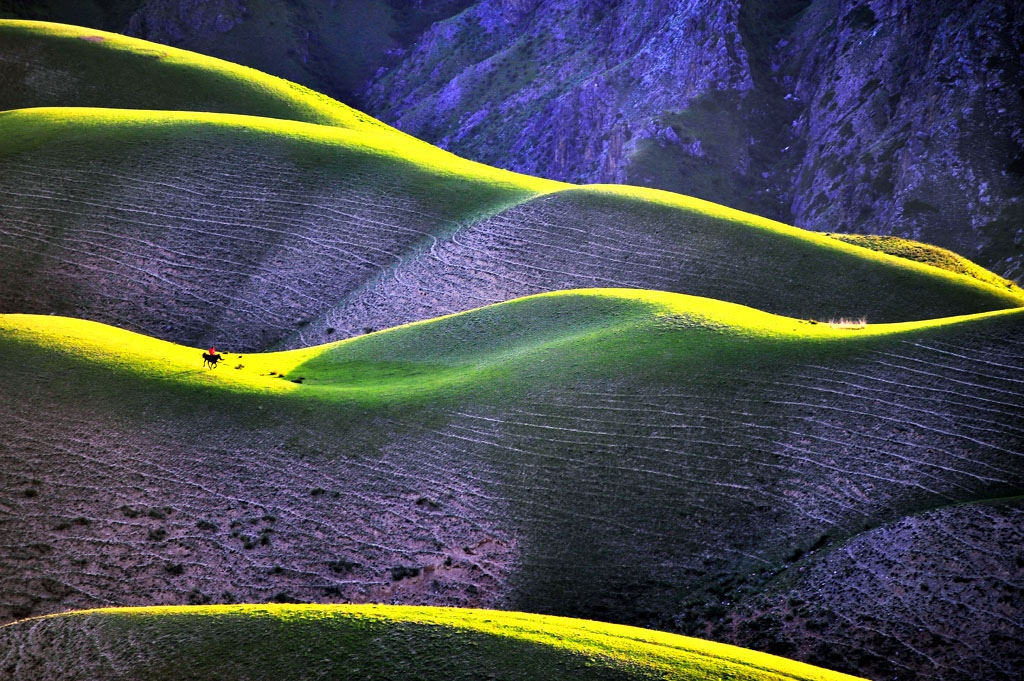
(890, 116)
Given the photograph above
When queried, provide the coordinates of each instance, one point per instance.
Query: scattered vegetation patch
(845, 323)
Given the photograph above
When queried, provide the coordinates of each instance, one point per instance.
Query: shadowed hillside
(219, 229)
(44, 64)
(915, 590)
(386, 642)
(606, 235)
(647, 458)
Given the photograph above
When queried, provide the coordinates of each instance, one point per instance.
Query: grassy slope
(928, 254)
(732, 440)
(276, 217)
(389, 642)
(281, 219)
(641, 238)
(556, 336)
(805, 243)
(47, 64)
(27, 129)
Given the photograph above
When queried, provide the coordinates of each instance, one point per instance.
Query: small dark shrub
(175, 569)
(862, 17)
(197, 597)
(341, 566)
(401, 572)
(157, 534)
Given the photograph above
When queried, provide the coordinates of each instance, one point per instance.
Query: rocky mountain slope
(888, 117)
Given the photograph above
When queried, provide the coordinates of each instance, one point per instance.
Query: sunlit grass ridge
(214, 642)
(552, 336)
(139, 74)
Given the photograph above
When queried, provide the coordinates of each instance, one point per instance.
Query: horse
(211, 360)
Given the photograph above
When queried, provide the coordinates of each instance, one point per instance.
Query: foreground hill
(632, 456)
(219, 229)
(248, 643)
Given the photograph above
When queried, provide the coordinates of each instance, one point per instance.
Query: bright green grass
(928, 254)
(558, 337)
(470, 187)
(59, 65)
(400, 642)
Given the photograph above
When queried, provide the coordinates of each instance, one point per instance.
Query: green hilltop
(47, 64)
(502, 349)
(382, 642)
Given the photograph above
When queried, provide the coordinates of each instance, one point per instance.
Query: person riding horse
(211, 358)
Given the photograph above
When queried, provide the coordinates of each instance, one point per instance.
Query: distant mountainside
(891, 117)
(888, 117)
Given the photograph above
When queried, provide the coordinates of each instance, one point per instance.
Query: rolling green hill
(634, 456)
(44, 64)
(601, 401)
(214, 228)
(926, 253)
(385, 642)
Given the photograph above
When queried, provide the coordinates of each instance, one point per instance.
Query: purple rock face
(891, 117)
(561, 89)
(171, 21)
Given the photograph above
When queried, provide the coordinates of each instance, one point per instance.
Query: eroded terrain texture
(662, 505)
(932, 596)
